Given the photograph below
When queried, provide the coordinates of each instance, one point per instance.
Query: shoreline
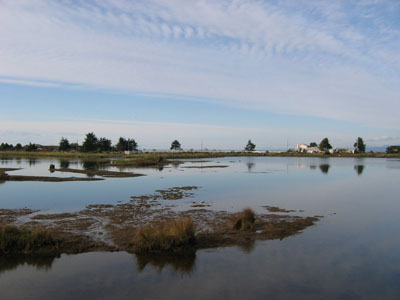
(107, 227)
(185, 155)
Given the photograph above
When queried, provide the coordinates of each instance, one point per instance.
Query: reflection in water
(250, 166)
(248, 246)
(11, 263)
(64, 164)
(32, 162)
(90, 165)
(313, 167)
(181, 264)
(359, 169)
(175, 164)
(324, 168)
(18, 161)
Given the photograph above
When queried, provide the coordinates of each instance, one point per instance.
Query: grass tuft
(175, 236)
(244, 220)
(15, 240)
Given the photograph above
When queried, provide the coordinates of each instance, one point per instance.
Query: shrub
(244, 220)
(15, 240)
(169, 237)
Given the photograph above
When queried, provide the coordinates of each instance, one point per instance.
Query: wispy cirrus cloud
(331, 59)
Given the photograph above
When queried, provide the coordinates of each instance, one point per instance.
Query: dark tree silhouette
(90, 143)
(250, 146)
(325, 145)
(175, 145)
(359, 145)
(64, 145)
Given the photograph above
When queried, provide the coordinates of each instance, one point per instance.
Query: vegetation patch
(176, 193)
(205, 167)
(11, 215)
(140, 160)
(174, 236)
(7, 177)
(104, 173)
(244, 220)
(15, 240)
(277, 209)
(53, 216)
(3, 170)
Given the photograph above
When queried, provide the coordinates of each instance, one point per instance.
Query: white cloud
(248, 54)
(158, 135)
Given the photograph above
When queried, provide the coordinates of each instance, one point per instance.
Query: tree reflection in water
(9, 263)
(359, 169)
(324, 168)
(184, 264)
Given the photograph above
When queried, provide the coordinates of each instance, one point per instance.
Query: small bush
(15, 240)
(244, 220)
(170, 237)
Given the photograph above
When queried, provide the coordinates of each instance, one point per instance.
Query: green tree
(175, 145)
(126, 144)
(359, 145)
(393, 149)
(90, 143)
(104, 144)
(64, 145)
(18, 147)
(313, 144)
(132, 145)
(325, 145)
(122, 144)
(74, 146)
(30, 147)
(250, 146)
(6, 146)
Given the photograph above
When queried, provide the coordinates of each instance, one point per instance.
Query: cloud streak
(336, 60)
(159, 135)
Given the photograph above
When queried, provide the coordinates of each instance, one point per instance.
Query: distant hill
(377, 148)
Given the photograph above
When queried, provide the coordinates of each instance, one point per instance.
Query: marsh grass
(244, 220)
(174, 236)
(15, 241)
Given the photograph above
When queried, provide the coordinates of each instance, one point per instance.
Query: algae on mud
(145, 225)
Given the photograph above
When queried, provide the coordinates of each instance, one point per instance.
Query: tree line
(17, 147)
(92, 143)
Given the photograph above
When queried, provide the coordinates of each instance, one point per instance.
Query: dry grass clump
(175, 236)
(15, 240)
(244, 220)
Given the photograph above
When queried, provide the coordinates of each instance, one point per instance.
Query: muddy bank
(114, 227)
(278, 209)
(206, 167)
(142, 162)
(3, 170)
(6, 177)
(103, 173)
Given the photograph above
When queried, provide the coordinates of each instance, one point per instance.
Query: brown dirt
(277, 209)
(9, 169)
(104, 173)
(8, 216)
(205, 167)
(45, 178)
(113, 227)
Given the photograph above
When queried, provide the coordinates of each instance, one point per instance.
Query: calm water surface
(352, 253)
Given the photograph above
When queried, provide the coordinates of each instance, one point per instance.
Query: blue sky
(220, 72)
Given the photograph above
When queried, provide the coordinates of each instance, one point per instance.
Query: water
(352, 253)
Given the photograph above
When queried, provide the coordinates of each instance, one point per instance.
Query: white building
(303, 148)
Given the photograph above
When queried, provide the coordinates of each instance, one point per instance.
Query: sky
(208, 73)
